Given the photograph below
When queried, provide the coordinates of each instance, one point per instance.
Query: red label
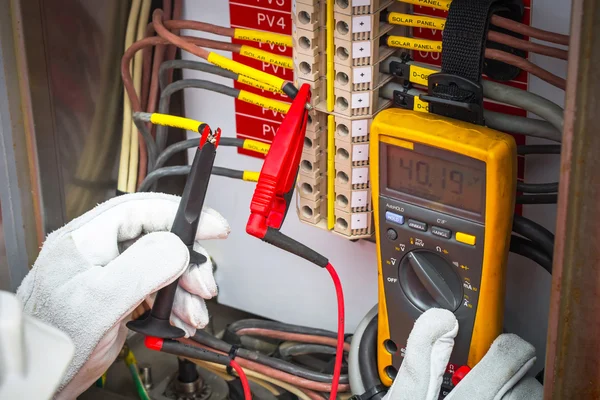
(255, 122)
(269, 5)
(271, 48)
(242, 107)
(276, 70)
(265, 93)
(263, 19)
(256, 127)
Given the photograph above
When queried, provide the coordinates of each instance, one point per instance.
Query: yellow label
(420, 75)
(242, 69)
(416, 21)
(256, 84)
(261, 55)
(263, 37)
(257, 146)
(415, 44)
(264, 102)
(175, 122)
(420, 105)
(251, 176)
(437, 4)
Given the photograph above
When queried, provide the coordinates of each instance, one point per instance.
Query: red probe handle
(278, 175)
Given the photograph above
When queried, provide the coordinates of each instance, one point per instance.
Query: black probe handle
(187, 219)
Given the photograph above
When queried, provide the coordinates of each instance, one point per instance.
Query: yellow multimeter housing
(443, 193)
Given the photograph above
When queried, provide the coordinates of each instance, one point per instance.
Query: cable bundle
(144, 79)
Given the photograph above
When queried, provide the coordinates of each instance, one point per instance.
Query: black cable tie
(372, 392)
(232, 355)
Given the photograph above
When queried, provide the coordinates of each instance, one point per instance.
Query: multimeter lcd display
(435, 179)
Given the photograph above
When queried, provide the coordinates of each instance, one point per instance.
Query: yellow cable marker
(255, 145)
(416, 21)
(176, 122)
(261, 55)
(264, 102)
(258, 85)
(420, 75)
(241, 69)
(263, 37)
(403, 42)
(437, 4)
(250, 176)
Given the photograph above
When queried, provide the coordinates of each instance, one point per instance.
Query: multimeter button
(418, 225)
(465, 238)
(392, 234)
(395, 218)
(441, 232)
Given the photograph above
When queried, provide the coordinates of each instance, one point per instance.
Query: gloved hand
(82, 285)
(497, 376)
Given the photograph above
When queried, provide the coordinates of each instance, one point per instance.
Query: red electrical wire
(340, 338)
(243, 379)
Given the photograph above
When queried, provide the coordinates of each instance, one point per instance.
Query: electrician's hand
(84, 286)
(497, 376)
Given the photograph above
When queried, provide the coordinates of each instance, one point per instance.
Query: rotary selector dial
(430, 281)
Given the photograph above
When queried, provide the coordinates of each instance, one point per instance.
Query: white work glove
(81, 285)
(497, 376)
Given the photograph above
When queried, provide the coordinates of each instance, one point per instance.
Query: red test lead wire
(272, 198)
(339, 353)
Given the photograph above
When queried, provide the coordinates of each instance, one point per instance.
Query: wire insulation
(128, 98)
(340, 339)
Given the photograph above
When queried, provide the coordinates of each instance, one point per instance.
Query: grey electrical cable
(189, 144)
(149, 140)
(291, 349)
(194, 65)
(528, 101)
(179, 170)
(282, 365)
(513, 96)
(525, 126)
(503, 122)
(165, 97)
(356, 384)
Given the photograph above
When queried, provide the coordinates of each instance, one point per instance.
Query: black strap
(465, 36)
(456, 92)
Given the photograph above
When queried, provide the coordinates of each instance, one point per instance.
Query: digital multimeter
(443, 195)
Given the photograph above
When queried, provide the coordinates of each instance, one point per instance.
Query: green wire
(139, 385)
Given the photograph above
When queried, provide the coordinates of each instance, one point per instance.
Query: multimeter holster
(463, 99)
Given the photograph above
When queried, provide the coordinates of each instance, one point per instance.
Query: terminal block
(360, 52)
(360, 7)
(359, 78)
(350, 177)
(366, 103)
(308, 67)
(353, 225)
(360, 27)
(308, 14)
(309, 42)
(343, 191)
(351, 201)
(312, 188)
(352, 130)
(311, 211)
